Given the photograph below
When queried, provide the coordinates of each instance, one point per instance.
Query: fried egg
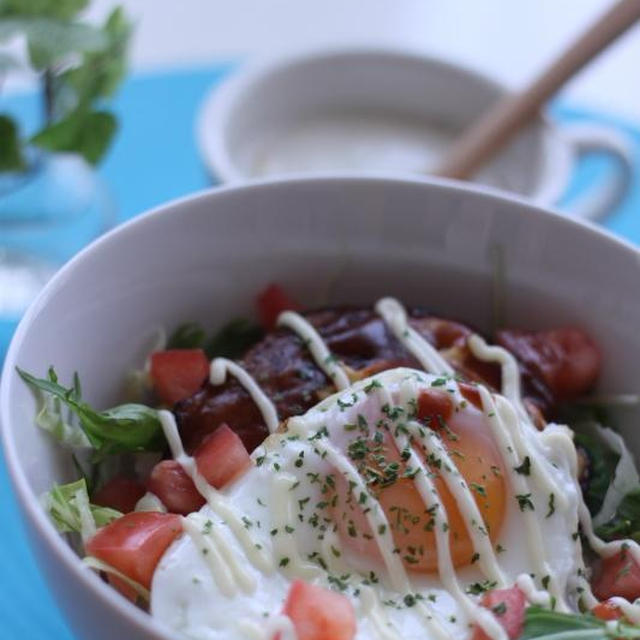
(408, 492)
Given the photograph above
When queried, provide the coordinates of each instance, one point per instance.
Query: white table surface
(510, 39)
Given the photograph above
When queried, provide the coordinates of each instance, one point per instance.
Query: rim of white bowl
(31, 508)
(218, 105)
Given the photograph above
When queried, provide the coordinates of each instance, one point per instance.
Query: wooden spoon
(485, 137)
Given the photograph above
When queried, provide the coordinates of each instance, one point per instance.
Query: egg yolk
(466, 436)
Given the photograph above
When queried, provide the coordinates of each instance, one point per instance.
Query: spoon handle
(510, 114)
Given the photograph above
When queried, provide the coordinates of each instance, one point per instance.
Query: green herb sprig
(127, 427)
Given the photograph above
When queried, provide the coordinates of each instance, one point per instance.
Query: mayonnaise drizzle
(446, 570)
(395, 317)
(432, 444)
(316, 345)
(218, 374)
(466, 503)
(503, 421)
(541, 469)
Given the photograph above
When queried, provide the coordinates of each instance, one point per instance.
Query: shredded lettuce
(70, 510)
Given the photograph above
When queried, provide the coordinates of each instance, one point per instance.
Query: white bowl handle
(603, 197)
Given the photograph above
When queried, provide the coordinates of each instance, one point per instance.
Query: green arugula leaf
(187, 336)
(88, 133)
(234, 339)
(60, 9)
(128, 427)
(542, 624)
(602, 466)
(626, 521)
(11, 158)
(69, 508)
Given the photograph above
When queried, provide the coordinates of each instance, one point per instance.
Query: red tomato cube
(134, 543)
(618, 575)
(221, 456)
(178, 373)
(170, 482)
(319, 614)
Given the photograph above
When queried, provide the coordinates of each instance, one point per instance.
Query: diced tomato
(120, 493)
(170, 482)
(134, 543)
(271, 302)
(434, 404)
(607, 611)
(566, 359)
(507, 605)
(221, 457)
(178, 373)
(618, 575)
(319, 614)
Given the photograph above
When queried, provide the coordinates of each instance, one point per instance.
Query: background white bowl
(291, 104)
(333, 240)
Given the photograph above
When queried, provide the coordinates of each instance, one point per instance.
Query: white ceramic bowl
(333, 240)
(277, 104)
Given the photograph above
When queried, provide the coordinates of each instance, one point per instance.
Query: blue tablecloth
(155, 159)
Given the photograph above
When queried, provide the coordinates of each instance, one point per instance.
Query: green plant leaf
(60, 9)
(11, 158)
(88, 133)
(50, 41)
(100, 72)
(234, 339)
(127, 427)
